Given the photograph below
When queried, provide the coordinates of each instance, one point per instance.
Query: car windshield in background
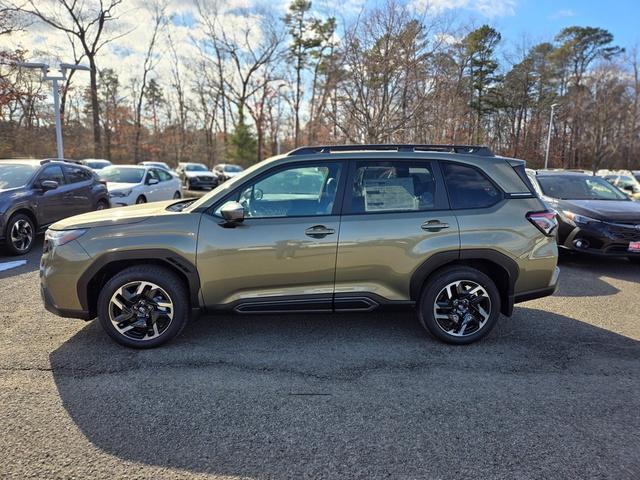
(122, 175)
(158, 164)
(575, 187)
(14, 175)
(232, 168)
(196, 168)
(97, 165)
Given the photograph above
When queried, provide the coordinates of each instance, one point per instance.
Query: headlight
(60, 237)
(577, 219)
(120, 193)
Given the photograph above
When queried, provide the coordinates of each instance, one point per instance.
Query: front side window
(294, 192)
(392, 187)
(53, 172)
(164, 176)
(468, 187)
(77, 174)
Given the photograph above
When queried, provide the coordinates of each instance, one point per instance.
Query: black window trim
(502, 194)
(441, 198)
(337, 203)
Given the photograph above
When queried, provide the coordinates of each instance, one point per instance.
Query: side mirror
(152, 181)
(47, 185)
(232, 212)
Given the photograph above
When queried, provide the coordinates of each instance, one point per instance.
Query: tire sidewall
(7, 234)
(437, 283)
(141, 200)
(162, 277)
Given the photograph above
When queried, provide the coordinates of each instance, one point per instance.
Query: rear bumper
(541, 292)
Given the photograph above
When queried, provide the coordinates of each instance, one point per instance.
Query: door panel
(379, 253)
(266, 258)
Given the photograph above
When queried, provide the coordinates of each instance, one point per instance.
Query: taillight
(544, 221)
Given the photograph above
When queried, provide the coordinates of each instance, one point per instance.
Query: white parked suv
(131, 184)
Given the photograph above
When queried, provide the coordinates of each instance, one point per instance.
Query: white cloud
(487, 8)
(566, 13)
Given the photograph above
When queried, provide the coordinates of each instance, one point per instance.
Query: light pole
(546, 153)
(54, 78)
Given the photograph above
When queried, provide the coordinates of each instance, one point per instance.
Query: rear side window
(399, 186)
(468, 187)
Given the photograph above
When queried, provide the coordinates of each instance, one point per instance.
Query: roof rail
(471, 149)
(66, 160)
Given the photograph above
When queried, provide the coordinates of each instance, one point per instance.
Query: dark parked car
(37, 193)
(593, 216)
(196, 175)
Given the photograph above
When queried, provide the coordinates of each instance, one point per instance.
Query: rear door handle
(319, 231)
(434, 225)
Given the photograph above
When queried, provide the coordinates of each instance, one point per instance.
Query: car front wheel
(460, 305)
(143, 306)
(19, 234)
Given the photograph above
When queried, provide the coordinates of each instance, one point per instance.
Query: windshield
(232, 168)
(157, 164)
(122, 175)
(98, 164)
(13, 175)
(577, 187)
(197, 167)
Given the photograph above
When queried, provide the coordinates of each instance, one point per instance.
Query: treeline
(269, 84)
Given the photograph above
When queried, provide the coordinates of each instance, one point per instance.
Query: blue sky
(541, 20)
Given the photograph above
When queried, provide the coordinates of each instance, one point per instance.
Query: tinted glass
(232, 168)
(577, 187)
(122, 175)
(52, 172)
(97, 164)
(300, 191)
(12, 176)
(468, 187)
(76, 174)
(153, 173)
(197, 167)
(392, 187)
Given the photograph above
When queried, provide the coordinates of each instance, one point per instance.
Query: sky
(521, 22)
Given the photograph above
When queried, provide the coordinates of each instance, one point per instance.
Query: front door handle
(434, 225)
(319, 231)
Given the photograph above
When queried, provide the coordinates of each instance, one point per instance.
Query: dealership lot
(552, 392)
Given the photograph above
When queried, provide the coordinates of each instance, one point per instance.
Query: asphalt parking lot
(553, 392)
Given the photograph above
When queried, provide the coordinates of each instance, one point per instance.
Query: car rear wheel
(176, 195)
(19, 234)
(460, 305)
(102, 205)
(141, 199)
(143, 306)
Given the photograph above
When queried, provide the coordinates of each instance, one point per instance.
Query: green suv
(451, 230)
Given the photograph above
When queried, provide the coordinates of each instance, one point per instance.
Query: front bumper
(202, 182)
(51, 306)
(605, 239)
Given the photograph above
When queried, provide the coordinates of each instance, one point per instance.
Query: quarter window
(392, 187)
(294, 192)
(468, 188)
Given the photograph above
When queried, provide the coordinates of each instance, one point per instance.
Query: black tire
(168, 282)
(635, 260)
(177, 196)
(436, 286)
(25, 234)
(141, 199)
(102, 205)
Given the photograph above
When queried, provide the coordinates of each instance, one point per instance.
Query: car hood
(198, 174)
(605, 210)
(117, 216)
(112, 186)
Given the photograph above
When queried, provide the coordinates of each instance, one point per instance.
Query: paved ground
(553, 392)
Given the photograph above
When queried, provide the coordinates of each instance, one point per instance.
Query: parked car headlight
(120, 193)
(60, 237)
(577, 219)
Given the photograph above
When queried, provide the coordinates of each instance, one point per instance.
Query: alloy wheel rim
(141, 310)
(462, 308)
(21, 235)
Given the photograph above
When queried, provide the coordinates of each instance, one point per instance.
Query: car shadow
(575, 267)
(361, 395)
(23, 263)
